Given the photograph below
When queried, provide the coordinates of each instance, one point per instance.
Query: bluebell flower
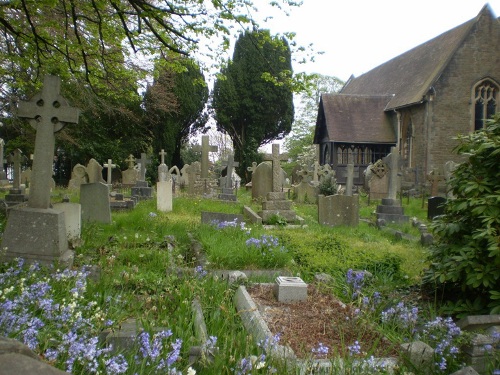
(354, 348)
(116, 365)
(320, 350)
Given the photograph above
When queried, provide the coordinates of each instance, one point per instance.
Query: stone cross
(205, 149)
(325, 170)
(162, 154)
(305, 173)
(17, 159)
(47, 112)
(230, 163)
(393, 160)
(3, 175)
(350, 179)
(434, 178)
(110, 167)
(144, 161)
(130, 161)
(253, 167)
(275, 157)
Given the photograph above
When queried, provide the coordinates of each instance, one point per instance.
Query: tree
(465, 260)
(175, 107)
(249, 106)
(302, 135)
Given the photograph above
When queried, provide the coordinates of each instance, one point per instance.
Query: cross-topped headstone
(275, 157)
(144, 160)
(393, 160)
(162, 154)
(130, 161)
(205, 149)
(325, 170)
(110, 167)
(305, 173)
(47, 112)
(230, 163)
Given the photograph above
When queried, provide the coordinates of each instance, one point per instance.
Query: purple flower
(116, 365)
(354, 348)
(320, 349)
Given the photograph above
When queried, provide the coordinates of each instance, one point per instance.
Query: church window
(485, 102)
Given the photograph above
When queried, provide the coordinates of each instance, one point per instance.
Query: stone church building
(417, 101)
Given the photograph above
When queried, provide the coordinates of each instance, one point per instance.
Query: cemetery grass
(147, 272)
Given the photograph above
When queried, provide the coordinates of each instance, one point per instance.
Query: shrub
(465, 259)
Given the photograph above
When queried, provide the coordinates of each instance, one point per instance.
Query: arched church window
(485, 102)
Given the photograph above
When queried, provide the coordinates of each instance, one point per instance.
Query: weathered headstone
(226, 181)
(275, 157)
(16, 194)
(377, 180)
(434, 177)
(141, 189)
(94, 199)
(78, 177)
(94, 172)
(335, 210)
(130, 176)
(109, 166)
(262, 181)
(435, 207)
(205, 149)
(38, 232)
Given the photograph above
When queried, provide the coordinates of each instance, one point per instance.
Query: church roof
(356, 118)
(409, 77)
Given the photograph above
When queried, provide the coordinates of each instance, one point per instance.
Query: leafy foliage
(466, 257)
(249, 106)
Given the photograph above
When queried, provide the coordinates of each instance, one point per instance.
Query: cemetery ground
(151, 269)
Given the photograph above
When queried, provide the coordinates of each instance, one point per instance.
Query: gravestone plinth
(277, 204)
(72, 219)
(15, 196)
(290, 289)
(37, 234)
(391, 211)
(227, 194)
(119, 202)
(335, 210)
(142, 190)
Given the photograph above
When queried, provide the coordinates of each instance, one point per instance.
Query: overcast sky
(358, 35)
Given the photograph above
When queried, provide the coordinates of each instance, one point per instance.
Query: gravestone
(109, 166)
(205, 149)
(390, 210)
(163, 186)
(248, 186)
(16, 194)
(276, 202)
(38, 232)
(335, 210)
(142, 190)
(184, 178)
(290, 289)
(176, 175)
(3, 175)
(227, 193)
(130, 176)
(78, 177)
(349, 180)
(94, 199)
(377, 180)
(435, 207)
(26, 177)
(94, 172)
(305, 192)
(72, 219)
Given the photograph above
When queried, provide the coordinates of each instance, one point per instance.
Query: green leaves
(466, 257)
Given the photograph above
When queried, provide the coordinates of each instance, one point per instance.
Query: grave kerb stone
(47, 112)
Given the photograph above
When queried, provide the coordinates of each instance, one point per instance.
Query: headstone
(262, 181)
(336, 210)
(227, 181)
(205, 149)
(305, 192)
(94, 200)
(109, 166)
(390, 210)
(141, 189)
(78, 177)
(163, 172)
(164, 196)
(290, 289)
(94, 172)
(193, 174)
(26, 177)
(39, 232)
(434, 177)
(377, 180)
(184, 178)
(16, 194)
(435, 207)
(131, 175)
(176, 175)
(350, 180)
(251, 169)
(316, 166)
(275, 157)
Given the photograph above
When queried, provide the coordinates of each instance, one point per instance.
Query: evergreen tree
(253, 104)
(175, 108)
